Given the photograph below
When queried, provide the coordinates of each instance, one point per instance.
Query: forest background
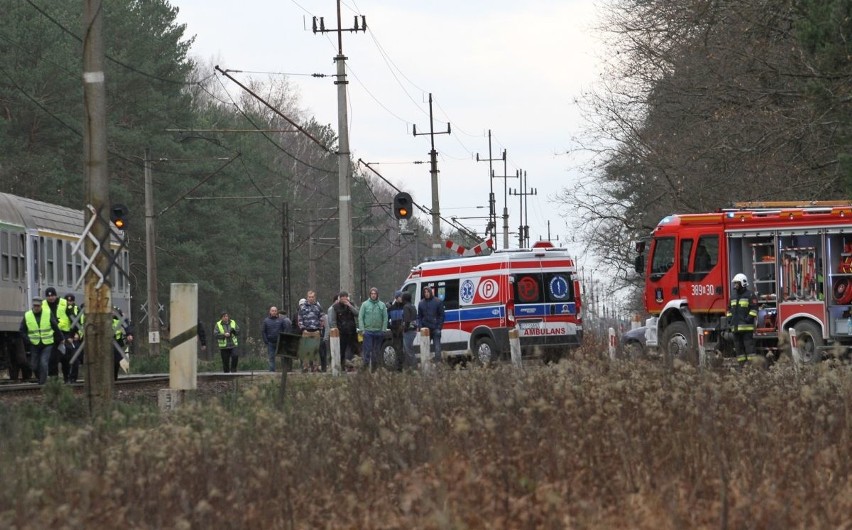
(703, 103)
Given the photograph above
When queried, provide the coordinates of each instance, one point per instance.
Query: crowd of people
(52, 332)
(362, 330)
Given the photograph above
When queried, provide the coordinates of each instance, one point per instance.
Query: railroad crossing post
(702, 351)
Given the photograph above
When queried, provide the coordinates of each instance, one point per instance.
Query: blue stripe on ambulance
(474, 313)
(541, 310)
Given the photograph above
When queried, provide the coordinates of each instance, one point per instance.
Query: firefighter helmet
(740, 278)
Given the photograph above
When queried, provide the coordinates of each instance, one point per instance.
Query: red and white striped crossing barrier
(458, 249)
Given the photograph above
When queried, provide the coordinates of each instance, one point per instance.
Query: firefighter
(742, 314)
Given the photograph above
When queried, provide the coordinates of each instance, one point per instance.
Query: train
(36, 252)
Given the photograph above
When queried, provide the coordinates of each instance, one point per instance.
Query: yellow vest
(39, 332)
(62, 315)
(223, 342)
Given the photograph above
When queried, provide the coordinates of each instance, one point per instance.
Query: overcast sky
(512, 67)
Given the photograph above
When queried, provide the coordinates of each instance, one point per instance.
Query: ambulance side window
(411, 288)
(448, 291)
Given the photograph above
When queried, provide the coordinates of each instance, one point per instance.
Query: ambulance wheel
(810, 341)
(676, 341)
(485, 351)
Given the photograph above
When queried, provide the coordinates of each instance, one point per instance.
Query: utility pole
(505, 176)
(492, 208)
(312, 261)
(433, 170)
(98, 328)
(347, 268)
(151, 260)
(523, 228)
(285, 259)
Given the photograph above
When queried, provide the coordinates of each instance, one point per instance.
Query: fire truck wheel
(809, 340)
(486, 351)
(676, 341)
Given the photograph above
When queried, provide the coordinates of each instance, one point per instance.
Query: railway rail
(130, 383)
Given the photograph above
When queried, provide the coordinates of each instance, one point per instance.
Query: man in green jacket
(373, 321)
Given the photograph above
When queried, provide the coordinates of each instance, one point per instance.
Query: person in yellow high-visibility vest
(39, 329)
(225, 331)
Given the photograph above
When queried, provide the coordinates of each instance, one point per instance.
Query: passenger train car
(36, 242)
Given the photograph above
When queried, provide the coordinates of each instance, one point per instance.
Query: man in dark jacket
(409, 327)
(344, 317)
(273, 325)
(395, 316)
(430, 312)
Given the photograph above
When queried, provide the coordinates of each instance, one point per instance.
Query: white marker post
(612, 344)
(515, 345)
(334, 346)
(425, 363)
(183, 339)
(702, 351)
(794, 348)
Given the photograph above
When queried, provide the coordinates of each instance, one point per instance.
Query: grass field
(585, 444)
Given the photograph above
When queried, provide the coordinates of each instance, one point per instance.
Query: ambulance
(534, 290)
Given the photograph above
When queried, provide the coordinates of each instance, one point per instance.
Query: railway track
(136, 383)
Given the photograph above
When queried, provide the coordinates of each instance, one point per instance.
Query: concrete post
(334, 346)
(425, 363)
(183, 332)
(515, 345)
(794, 348)
(702, 351)
(613, 341)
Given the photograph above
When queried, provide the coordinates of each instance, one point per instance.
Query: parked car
(633, 343)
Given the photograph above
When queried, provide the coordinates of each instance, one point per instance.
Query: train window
(78, 267)
(5, 256)
(16, 258)
(60, 262)
(50, 261)
(40, 260)
(70, 279)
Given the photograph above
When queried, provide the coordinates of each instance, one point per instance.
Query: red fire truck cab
(798, 260)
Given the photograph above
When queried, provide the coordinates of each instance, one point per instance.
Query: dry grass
(585, 444)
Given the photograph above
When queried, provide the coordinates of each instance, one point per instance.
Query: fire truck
(798, 260)
(534, 290)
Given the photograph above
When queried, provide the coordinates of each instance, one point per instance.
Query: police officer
(70, 327)
(59, 310)
(225, 331)
(39, 330)
(742, 314)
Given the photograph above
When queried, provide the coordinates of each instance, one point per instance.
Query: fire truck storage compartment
(839, 284)
(754, 254)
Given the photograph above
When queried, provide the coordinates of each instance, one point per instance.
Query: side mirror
(639, 264)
